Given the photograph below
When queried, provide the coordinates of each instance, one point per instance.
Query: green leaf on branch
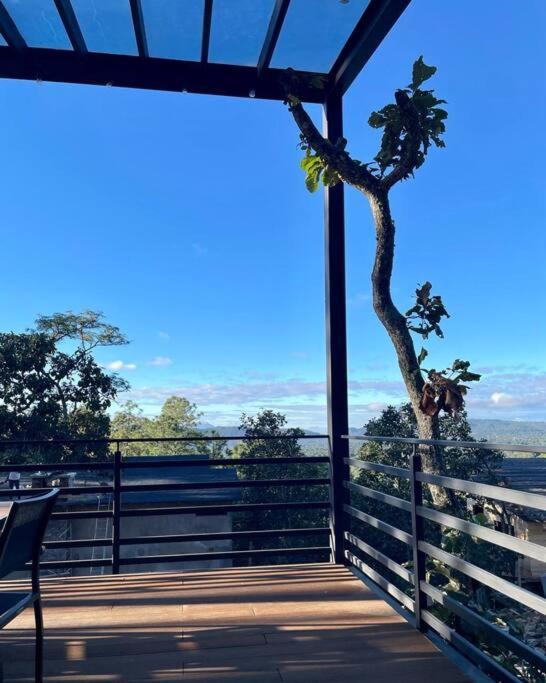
(424, 317)
(411, 125)
(421, 73)
(314, 167)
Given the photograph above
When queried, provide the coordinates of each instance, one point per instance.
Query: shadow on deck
(309, 623)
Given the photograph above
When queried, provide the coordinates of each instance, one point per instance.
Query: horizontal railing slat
(377, 467)
(386, 561)
(162, 439)
(482, 660)
(78, 543)
(518, 545)
(222, 555)
(64, 491)
(381, 581)
(377, 495)
(221, 462)
(83, 514)
(516, 448)
(75, 564)
(223, 536)
(221, 509)
(240, 483)
(57, 466)
(379, 524)
(511, 590)
(531, 500)
(493, 633)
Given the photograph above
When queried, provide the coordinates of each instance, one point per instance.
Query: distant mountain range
(497, 431)
(510, 431)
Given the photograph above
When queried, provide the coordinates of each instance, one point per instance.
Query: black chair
(21, 542)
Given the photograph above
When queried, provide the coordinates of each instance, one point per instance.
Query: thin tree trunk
(396, 326)
(376, 190)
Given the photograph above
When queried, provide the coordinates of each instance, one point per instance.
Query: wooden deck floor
(306, 623)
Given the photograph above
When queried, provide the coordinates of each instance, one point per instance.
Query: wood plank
(264, 624)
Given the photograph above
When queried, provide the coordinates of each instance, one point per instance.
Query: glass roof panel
(107, 25)
(2, 40)
(39, 23)
(238, 30)
(174, 28)
(314, 33)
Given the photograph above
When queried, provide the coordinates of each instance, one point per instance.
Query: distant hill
(510, 431)
(529, 433)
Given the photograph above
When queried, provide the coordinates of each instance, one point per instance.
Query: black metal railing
(116, 466)
(417, 597)
(366, 534)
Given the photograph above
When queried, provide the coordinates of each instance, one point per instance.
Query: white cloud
(508, 395)
(161, 361)
(164, 335)
(500, 398)
(242, 393)
(120, 365)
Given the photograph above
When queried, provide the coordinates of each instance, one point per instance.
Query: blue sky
(185, 219)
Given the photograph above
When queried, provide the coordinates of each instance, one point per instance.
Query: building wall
(155, 525)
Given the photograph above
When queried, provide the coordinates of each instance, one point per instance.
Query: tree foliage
(269, 423)
(411, 125)
(52, 387)
(444, 390)
(178, 419)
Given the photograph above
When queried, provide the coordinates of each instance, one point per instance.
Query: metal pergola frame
(79, 65)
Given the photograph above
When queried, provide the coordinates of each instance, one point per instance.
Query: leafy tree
(410, 126)
(130, 423)
(52, 387)
(461, 463)
(269, 423)
(179, 418)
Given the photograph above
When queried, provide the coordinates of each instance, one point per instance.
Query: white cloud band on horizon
(515, 395)
(252, 392)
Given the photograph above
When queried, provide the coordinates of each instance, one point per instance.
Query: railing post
(417, 525)
(336, 338)
(116, 510)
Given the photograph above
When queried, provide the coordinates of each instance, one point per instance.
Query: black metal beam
(9, 29)
(139, 28)
(378, 19)
(65, 66)
(72, 28)
(273, 32)
(205, 40)
(336, 334)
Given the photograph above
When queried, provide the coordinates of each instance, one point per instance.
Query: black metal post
(116, 510)
(419, 559)
(336, 335)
